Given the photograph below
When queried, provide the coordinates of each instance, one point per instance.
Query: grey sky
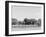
(21, 12)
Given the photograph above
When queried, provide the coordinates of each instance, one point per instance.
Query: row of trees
(27, 22)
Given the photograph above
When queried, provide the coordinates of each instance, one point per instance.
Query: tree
(27, 21)
(14, 21)
(30, 21)
(33, 21)
(39, 22)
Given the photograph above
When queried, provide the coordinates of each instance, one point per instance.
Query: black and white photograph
(26, 18)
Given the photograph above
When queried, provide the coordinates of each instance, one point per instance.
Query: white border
(20, 32)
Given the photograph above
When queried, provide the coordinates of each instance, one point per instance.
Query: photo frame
(19, 16)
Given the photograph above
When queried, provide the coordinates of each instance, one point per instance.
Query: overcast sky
(21, 12)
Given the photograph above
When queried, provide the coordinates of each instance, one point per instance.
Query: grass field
(25, 27)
